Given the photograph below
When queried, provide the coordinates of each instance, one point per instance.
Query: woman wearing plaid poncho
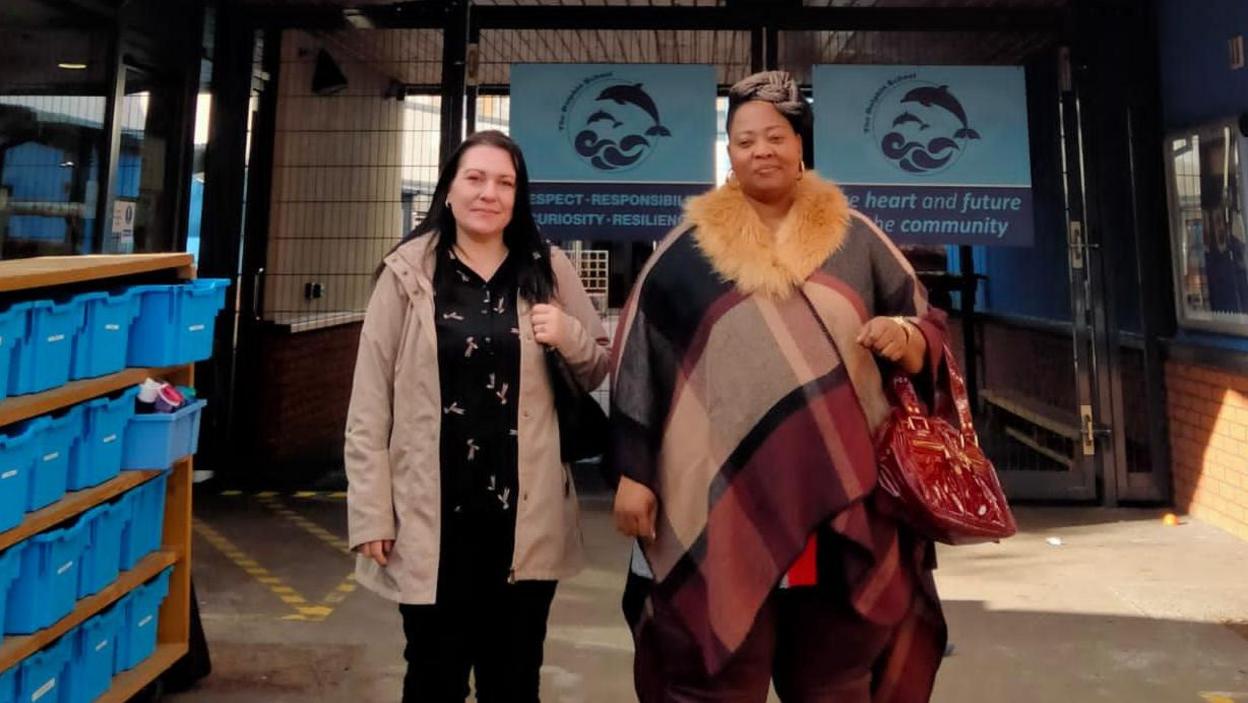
(744, 439)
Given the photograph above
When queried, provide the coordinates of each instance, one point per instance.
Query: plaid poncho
(730, 403)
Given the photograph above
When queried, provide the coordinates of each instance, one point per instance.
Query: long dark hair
(521, 236)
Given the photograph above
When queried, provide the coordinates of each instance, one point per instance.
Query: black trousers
(497, 631)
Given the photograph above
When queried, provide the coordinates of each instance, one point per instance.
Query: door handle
(256, 283)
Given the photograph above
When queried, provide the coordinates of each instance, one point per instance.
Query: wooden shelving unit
(173, 633)
(15, 649)
(126, 685)
(21, 407)
(72, 504)
(48, 271)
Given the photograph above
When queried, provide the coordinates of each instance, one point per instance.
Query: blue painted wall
(33, 172)
(1196, 81)
(1033, 281)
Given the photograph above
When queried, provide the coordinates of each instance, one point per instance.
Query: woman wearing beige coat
(460, 507)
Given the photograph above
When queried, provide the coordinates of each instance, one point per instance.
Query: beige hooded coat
(394, 420)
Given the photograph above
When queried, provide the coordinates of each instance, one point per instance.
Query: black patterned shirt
(479, 370)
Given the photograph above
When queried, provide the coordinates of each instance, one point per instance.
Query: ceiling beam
(398, 15)
(99, 8)
(736, 17)
(744, 17)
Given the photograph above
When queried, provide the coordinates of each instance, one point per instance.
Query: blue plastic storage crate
(157, 440)
(100, 347)
(10, 569)
(176, 322)
(145, 528)
(19, 448)
(101, 562)
(12, 330)
(42, 676)
(94, 648)
(8, 684)
(48, 586)
(44, 353)
(58, 441)
(98, 458)
(136, 640)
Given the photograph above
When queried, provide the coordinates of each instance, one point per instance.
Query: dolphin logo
(928, 96)
(635, 95)
(910, 118)
(601, 116)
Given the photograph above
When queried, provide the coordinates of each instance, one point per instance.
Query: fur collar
(743, 251)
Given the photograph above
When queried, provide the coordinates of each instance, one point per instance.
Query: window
(1207, 229)
(143, 203)
(52, 87)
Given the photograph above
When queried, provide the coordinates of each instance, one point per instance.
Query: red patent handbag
(935, 476)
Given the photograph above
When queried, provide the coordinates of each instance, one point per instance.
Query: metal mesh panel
(1139, 455)
(51, 147)
(798, 51)
(593, 265)
(728, 51)
(494, 112)
(353, 170)
(930, 3)
(629, 3)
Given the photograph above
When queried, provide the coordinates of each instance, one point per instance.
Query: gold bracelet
(905, 326)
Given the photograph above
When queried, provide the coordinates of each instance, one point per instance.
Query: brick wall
(1208, 414)
(302, 409)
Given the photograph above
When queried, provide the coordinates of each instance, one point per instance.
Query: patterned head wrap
(777, 88)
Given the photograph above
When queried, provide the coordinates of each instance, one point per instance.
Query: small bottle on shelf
(149, 391)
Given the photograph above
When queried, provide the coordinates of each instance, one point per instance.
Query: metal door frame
(1094, 349)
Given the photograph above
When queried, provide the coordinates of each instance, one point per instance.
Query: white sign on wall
(123, 218)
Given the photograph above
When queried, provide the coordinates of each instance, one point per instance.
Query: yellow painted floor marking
(276, 586)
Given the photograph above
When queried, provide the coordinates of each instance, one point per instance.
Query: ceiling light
(357, 19)
(71, 66)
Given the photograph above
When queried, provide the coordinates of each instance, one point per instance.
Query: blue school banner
(614, 150)
(934, 154)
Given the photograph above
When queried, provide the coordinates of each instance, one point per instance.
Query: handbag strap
(903, 388)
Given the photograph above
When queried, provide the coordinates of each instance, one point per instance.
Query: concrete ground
(1084, 605)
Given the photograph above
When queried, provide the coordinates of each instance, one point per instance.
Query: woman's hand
(896, 340)
(635, 508)
(378, 551)
(550, 325)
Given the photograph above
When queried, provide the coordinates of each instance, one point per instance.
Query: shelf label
(56, 338)
(195, 328)
(52, 457)
(110, 439)
(65, 567)
(112, 327)
(8, 474)
(144, 622)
